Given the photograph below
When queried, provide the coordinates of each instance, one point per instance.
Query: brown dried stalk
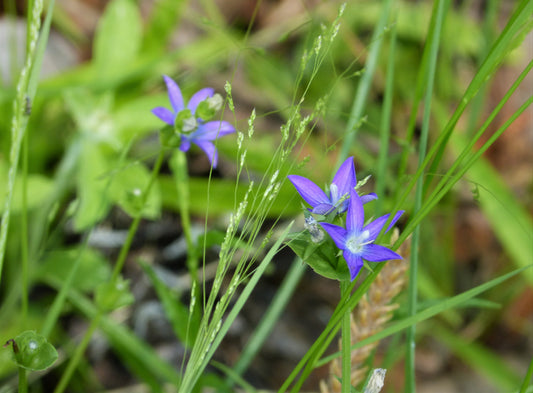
(372, 313)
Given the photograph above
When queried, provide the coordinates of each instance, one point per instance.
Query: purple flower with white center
(190, 121)
(343, 183)
(357, 240)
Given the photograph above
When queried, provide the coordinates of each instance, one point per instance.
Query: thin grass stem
(381, 173)
(346, 341)
(19, 121)
(80, 350)
(361, 94)
(136, 221)
(410, 379)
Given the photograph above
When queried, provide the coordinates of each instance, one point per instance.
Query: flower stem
(23, 380)
(135, 224)
(80, 350)
(346, 342)
(178, 163)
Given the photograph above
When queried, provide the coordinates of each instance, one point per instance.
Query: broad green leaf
(32, 351)
(92, 184)
(223, 195)
(126, 189)
(118, 38)
(321, 257)
(114, 294)
(93, 267)
(38, 188)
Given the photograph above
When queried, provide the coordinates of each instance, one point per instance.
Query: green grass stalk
(19, 120)
(59, 301)
(384, 134)
(439, 10)
(24, 240)
(361, 95)
(346, 341)
(455, 173)
(429, 312)
(80, 350)
(309, 360)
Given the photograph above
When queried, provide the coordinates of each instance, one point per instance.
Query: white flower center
(356, 242)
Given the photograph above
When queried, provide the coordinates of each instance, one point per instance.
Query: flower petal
(309, 191)
(185, 143)
(337, 233)
(375, 227)
(355, 217)
(345, 178)
(354, 262)
(396, 218)
(174, 94)
(323, 209)
(377, 253)
(210, 150)
(368, 197)
(164, 114)
(198, 97)
(212, 130)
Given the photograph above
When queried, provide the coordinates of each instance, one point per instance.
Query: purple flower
(190, 121)
(357, 241)
(343, 183)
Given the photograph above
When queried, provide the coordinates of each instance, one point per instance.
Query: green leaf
(32, 351)
(322, 257)
(93, 267)
(126, 190)
(118, 38)
(92, 184)
(226, 193)
(115, 294)
(39, 187)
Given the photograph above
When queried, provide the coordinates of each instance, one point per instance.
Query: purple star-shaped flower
(191, 127)
(357, 241)
(343, 183)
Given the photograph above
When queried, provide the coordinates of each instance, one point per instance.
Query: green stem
(439, 11)
(178, 163)
(80, 350)
(384, 133)
(135, 224)
(73, 363)
(23, 380)
(19, 121)
(24, 241)
(346, 342)
(358, 106)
